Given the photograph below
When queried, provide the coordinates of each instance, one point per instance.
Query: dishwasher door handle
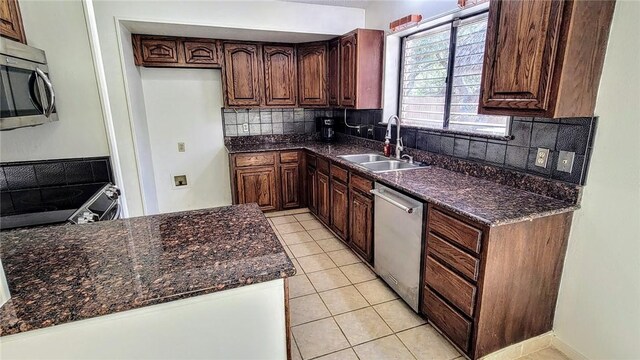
(381, 195)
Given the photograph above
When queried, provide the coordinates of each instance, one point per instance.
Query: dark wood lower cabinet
(323, 197)
(361, 224)
(487, 287)
(257, 184)
(273, 180)
(312, 190)
(290, 181)
(339, 209)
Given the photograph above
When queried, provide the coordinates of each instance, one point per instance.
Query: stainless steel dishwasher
(398, 241)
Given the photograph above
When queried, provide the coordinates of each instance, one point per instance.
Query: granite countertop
(59, 274)
(479, 200)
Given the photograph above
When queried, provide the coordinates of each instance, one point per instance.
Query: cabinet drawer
(323, 166)
(289, 157)
(454, 288)
(456, 258)
(255, 159)
(360, 183)
(311, 160)
(159, 50)
(339, 173)
(455, 230)
(454, 325)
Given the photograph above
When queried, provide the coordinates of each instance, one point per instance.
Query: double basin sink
(378, 163)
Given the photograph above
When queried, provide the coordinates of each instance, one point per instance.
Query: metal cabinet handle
(51, 93)
(380, 194)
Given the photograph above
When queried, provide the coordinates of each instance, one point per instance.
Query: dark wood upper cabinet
(165, 51)
(159, 50)
(360, 75)
(279, 75)
(334, 72)
(312, 74)
(544, 58)
(202, 52)
(348, 70)
(242, 70)
(11, 21)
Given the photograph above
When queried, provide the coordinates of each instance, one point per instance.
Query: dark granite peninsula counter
(61, 274)
(480, 200)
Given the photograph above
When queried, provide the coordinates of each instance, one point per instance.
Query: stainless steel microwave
(27, 97)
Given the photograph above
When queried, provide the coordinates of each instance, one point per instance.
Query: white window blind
(424, 77)
(427, 99)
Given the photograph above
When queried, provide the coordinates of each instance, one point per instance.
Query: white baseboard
(523, 348)
(571, 353)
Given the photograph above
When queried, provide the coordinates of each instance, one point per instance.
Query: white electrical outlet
(245, 127)
(181, 147)
(542, 157)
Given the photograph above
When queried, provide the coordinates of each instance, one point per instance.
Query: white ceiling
(362, 4)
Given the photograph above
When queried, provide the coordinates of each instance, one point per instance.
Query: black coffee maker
(327, 133)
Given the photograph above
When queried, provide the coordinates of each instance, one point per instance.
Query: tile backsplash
(271, 121)
(515, 153)
(47, 178)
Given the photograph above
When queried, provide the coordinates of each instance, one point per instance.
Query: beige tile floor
(340, 309)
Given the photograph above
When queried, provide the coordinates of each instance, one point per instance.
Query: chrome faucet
(399, 145)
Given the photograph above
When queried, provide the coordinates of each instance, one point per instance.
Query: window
(454, 50)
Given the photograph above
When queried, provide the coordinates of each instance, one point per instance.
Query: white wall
(58, 27)
(183, 105)
(140, 130)
(598, 311)
(259, 15)
(382, 12)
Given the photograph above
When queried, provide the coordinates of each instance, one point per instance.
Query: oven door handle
(50, 93)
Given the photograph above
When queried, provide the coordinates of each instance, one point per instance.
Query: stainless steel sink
(363, 158)
(378, 163)
(388, 165)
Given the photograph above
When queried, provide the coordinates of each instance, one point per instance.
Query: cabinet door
(361, 224)
(202, 52)
(520, 52)
(348, 70)
(242, 74)
(290, 181)
(160, 51)
(257, 184)
(11, 21)
(312, 72)
(279, 75)
(312, 190)
(334, 72)
(339, 209)
(323, 197)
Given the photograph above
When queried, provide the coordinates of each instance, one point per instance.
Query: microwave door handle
(35, 93)
(50, 93)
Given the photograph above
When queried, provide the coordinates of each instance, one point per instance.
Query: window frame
(453, 20)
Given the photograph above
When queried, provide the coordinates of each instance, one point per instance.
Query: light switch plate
(565, 161)
(181, 147)
(542, 157)
(245, 127)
